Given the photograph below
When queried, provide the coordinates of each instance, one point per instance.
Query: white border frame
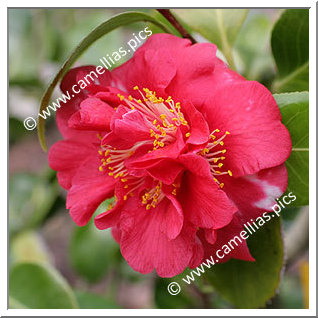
(312, 180)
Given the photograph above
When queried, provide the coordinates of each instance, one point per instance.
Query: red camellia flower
(190, 150)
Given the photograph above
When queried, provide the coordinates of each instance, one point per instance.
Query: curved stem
(171, 18)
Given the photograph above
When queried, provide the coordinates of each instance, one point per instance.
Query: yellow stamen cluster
(153, 196)
(213, 156)
(112, 160)
(164, 115)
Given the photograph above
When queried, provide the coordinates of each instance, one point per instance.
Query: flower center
(213, 154)
(163, 116)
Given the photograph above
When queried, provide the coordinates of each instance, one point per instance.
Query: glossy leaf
(294, 108)
(40, 287)
(252, 284)
(290, 47)
(104, 28)
(220, 26)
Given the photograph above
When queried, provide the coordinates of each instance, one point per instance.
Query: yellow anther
(130, 97)
(224, 151)
(220, 165)
(100, 168)
(136, 88)
(121, 97)
(221, 185)
(188, 134)
(100, 152)
(230, 173)
(125, 197)
(126, 186)
(221, 143)
(110, 174)
(148, 206)
(108, 160)
(132, 107)
(155, 122)
(139, 101)
(174, 192)
(217, 130)
(171, 110)
(163, 116)
(227, 133)
(222, 158)
(111, 168)
(123, 180)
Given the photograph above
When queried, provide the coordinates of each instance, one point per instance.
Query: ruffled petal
(66, 156)
(152, 69)
(257, 140)
(256, 193)
(89, 189)
(94, 115)
(146, 247)
(204, 203)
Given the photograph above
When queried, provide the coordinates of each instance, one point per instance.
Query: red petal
(204, 204)
(66, 156)
(89, 189)
(257, 140)
(146, 247)
(94, 114)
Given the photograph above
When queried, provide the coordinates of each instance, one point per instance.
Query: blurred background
(40, 228)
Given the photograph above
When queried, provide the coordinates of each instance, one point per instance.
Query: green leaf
(40, 287)
(252, 284)
(290, 47)
(88, 300)
(220, 26)
(104, 28)
(92, 251)
(294, 108)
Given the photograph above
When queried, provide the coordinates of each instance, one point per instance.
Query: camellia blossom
(189, 149)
